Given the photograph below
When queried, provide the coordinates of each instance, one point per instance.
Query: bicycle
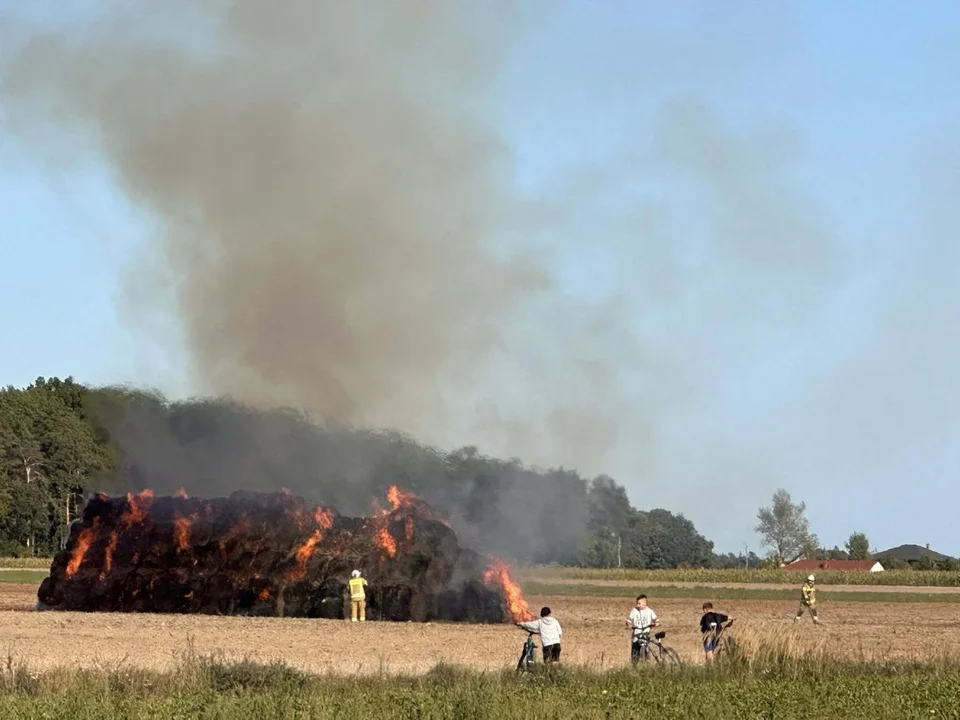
(654, 648)
(718, 646)
(528, 656)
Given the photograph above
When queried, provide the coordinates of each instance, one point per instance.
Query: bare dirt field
(898, 589)
(593, 635)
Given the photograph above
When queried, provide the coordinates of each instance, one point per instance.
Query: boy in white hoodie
(549, 630)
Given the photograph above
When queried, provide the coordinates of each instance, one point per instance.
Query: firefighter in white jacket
(548, 627)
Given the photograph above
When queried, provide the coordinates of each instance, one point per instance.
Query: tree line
(61, 441)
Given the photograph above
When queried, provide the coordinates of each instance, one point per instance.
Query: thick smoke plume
(336, 224)
(327, 186)
(215, 447)
(333, 215)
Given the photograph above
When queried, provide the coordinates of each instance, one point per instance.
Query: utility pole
(66, 531)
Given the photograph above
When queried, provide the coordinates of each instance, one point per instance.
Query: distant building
(839, 565)
(911, 553)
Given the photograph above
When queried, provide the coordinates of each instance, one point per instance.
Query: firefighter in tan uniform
(808, 600)
(358, 598)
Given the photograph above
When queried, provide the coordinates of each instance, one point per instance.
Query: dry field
(635, 584)
(593, 635)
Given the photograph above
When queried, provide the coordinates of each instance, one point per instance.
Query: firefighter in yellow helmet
(358, 598)
(808, 600)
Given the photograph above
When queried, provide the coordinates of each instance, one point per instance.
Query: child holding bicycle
(711, 625)
(641, 620)
(550, 632)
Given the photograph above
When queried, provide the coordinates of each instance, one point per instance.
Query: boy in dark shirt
(711, 623)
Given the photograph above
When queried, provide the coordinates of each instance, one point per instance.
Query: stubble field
(594, 635)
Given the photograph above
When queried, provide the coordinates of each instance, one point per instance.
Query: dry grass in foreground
(762, 677)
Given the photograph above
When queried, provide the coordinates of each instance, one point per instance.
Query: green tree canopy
(784, 528)
(858, 546)
(49, 453)
(60, 441)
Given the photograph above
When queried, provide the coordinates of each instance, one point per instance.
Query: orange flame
(84, 541)
(323, 517)
(137, 511)
(386, 542)
(108, 556)
(181, 530)
(498, 576)
(400, 498)
(406, 500)
(264, 595)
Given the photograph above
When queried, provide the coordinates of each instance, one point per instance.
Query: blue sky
(833, 376)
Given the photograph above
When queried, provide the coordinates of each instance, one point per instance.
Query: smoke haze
(325, 184)
(337, 225)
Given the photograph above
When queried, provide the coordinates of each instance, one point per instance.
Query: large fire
(84, 541)
(386, 542)
(404, 506)
(274, 554)
(400, 498)
(108, 555)
(181, 530)
(497, 575)
(323, 518)
(138, 506)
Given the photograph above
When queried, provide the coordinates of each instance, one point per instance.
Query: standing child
(641, 619)
(550, 631)
(711, 624)
(808, 599)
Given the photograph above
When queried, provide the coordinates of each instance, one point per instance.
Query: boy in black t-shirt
(711, 623)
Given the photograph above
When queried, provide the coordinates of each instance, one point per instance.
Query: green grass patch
(782, 688)
(910, 578)
(728, 593)
(23, 576)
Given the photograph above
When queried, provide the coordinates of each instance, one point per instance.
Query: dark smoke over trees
(61, 441)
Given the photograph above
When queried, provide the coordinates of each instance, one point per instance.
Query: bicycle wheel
(667, 656)
(522, 663)
(639, 652)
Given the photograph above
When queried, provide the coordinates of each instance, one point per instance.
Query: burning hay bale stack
(273, 554)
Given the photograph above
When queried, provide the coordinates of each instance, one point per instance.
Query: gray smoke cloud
(325, 181)
(336, 225)
(333, 214)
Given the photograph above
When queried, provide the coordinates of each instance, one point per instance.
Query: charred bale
(265, 554)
